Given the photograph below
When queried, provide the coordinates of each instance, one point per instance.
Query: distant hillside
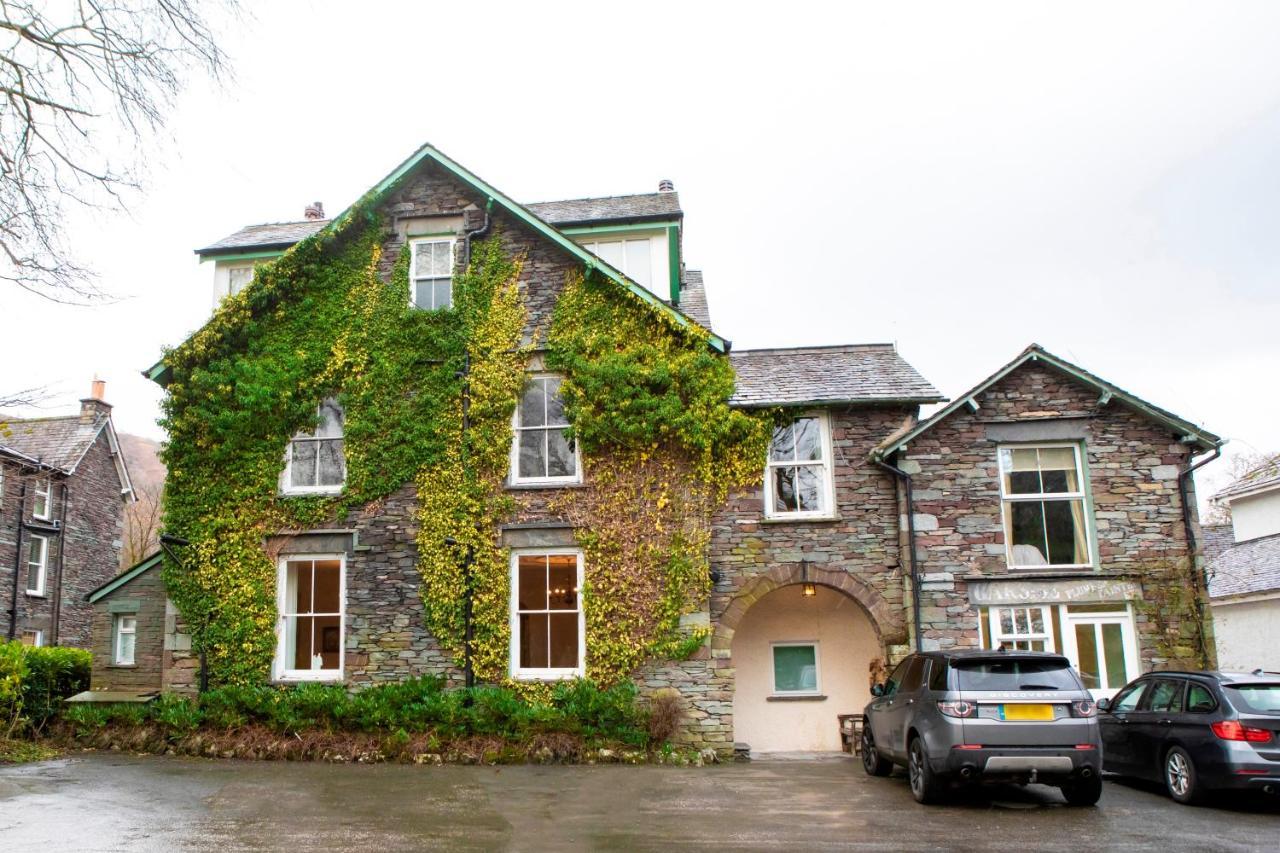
(142, 519)
(142, 455)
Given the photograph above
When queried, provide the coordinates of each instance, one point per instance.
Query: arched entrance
(800, 661)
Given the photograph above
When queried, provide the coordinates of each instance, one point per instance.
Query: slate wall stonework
(1133, 466)
(84, 552)
(144, 598)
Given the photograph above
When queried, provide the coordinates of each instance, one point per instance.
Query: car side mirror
(1104, 705)
(877, 690)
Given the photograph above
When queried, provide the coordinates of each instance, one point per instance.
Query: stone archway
(886, 619)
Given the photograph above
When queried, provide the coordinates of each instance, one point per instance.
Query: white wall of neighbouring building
(1247, 633)
(847, 644)
(1256, 515)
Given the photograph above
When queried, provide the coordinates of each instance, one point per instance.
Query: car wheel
(1083, 792)
(926, 786)
(872, 761)
(1180, 777)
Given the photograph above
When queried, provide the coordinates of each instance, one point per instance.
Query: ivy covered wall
(331, 318)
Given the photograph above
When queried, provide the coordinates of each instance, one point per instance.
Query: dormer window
(238, 278)
(632, 257)
(314, 462)
(431, 274)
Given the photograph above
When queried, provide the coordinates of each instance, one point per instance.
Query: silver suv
(974, 716)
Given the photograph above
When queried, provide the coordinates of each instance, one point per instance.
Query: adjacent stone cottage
(63, 488)
(1040, 509)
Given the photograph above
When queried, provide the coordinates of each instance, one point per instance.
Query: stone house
(814, 584)
(1244, 573)
(63, 488)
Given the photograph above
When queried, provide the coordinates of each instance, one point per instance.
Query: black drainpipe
(471, 235)
(17, 560)
(56, 618)
(899, 474)
(1199, 573)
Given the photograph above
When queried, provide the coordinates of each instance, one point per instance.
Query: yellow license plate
(1026, 712)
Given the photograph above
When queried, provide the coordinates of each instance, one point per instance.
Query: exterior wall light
(809, 588)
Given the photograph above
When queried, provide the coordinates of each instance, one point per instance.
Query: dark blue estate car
(1196, 732)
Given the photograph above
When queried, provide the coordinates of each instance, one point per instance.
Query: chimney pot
(94, 406)
(98, 389)
(665, 186)
(315, 210)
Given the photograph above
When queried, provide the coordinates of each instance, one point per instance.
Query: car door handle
(1166, 722)
(911, 701)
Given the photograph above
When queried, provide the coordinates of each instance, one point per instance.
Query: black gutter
(899, 474)
(477, 232)
(17, 560)
(55, 618)
(1199, 572)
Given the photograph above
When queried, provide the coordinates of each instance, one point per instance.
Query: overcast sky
(961, 179)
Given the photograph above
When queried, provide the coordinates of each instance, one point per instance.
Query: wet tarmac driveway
(119, 802)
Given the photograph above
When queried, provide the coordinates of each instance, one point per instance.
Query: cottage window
(42, 504)
(1022, 628)
(32, 637)
(797, 481)
(1043, 496)
(633, 258)
(542, 452)
(311, 599)
(314, 462)
(795, 669)
(431, 274)
(37, 564)
(239, 277)
(126, 639)
(547, 629)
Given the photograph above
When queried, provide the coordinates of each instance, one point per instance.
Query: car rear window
(1255, 698)
(1014, 675)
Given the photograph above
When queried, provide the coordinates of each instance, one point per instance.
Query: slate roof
(579, 211)
(272, 235)
(58, 442)
(827, 375)
(1217, 538)
(1248, 567)
(693, 298)
(1264, 476)
(615, 208)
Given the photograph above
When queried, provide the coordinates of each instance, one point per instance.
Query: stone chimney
(665, 186)
(94, 406)
(314, 211)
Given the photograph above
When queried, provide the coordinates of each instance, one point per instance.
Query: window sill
(318, 493)
(122, 666)
(548, 675)
(796, 697)
(31, 594)
(801, 519)
(330, 677)
(525, 487)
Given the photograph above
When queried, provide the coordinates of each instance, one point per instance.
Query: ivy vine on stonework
(647, 398)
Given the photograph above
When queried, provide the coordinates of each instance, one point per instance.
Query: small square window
(32, 637)
(795, 668)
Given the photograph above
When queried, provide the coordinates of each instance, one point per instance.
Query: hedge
(34, 682)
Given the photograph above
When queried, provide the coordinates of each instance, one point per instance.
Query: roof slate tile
(840, 374)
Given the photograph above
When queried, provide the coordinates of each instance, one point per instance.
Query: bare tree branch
(74, 73)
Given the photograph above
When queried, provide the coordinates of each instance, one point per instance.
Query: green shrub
(35, 681)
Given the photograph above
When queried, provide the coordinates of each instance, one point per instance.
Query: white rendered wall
(1247, 634)
(1256, 515)
(846, 645)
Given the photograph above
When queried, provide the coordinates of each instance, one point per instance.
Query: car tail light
(1083, 746)
(1233, 730)
(967, 746)
(1083, 708)
(958, 709)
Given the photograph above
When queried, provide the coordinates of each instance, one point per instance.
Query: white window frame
(817, 667)
(413, 271)
(1082, 495)
(47, 494)
(286, 476)
(998, 636)
(232, 269)
(118, 632)
(279, 672)
(36, 634)
(544, 673)
(43, 564)
(827, 480)
(515, 478)
(1122, 616)
(593, 244)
